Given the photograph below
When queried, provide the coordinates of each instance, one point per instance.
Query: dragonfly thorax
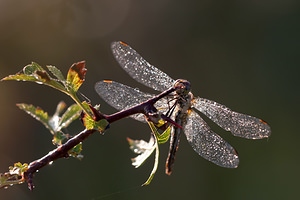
(183, 86)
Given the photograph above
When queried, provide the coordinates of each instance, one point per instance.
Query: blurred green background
(243, 54)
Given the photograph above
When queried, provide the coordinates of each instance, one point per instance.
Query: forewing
(123, 97)
(238, 124)
(139, 69)
(208, 144)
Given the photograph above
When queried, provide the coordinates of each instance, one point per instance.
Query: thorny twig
(147, 108)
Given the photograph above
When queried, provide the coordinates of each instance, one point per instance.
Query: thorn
(97, 115)
(28, 177)
(170, 121)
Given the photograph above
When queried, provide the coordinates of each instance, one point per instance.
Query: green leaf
(145, 149)
(59, 137)
(71, 114)
(20, 77)
(57, 73)
(32, 68)
(35, 73)
(162, 138)
(76, 75)
(29, 73)
(38, 114)
(75, 151)
(55, 123)
(47, 80)
(14, 176)
(159, 139)
(155, 166)
(90, 123)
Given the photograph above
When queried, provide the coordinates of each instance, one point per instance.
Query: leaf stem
(75, 98)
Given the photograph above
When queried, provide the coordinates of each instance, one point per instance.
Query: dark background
(243, 54)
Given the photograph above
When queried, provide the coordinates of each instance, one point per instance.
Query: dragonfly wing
(139, 69)
(238, 124)
(123, 97)
(208, 144)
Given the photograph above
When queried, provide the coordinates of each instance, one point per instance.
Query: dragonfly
(199, 135)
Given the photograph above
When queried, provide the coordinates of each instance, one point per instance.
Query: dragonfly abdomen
(183, 105)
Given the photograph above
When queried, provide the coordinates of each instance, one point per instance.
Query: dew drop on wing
(238, 124)
(208, 144)
(139, 69)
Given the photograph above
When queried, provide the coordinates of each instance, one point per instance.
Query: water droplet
(51, 162)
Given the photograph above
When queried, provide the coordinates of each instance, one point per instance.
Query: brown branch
(59, 152)
(146, 108)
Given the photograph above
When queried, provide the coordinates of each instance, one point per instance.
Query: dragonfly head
(183, 87)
